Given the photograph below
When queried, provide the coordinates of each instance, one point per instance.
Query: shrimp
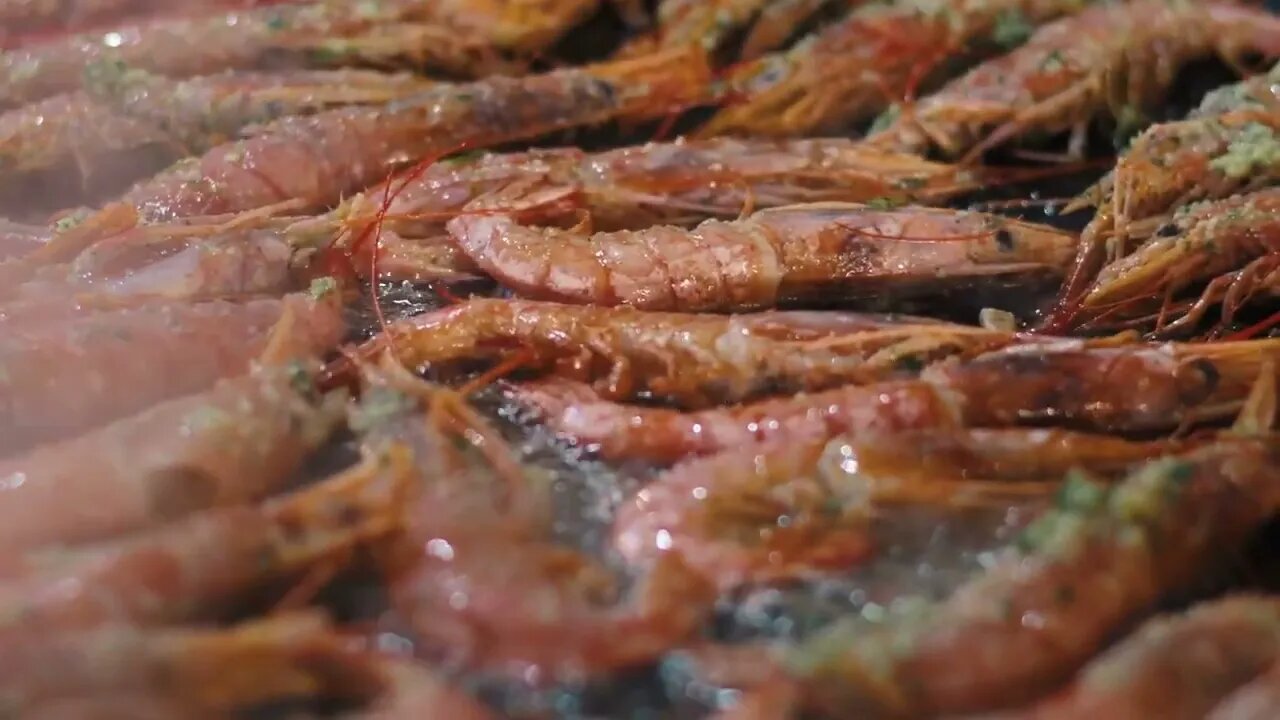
(236, 443)
(1258, 699)
(1202, 243)
(312, 161)
(127, 124)
(1176, 667)
(1075, 576)
(23, 17)
(819, 252)
(326, 34)
(192, 569)
(694, 360)
(207, 670)
(17, 239)
(411, 690)
(714, 25)
(677, 183)
(859, 66)
(62, 380)
(1118, 57)
(479, 579)
(1228, 145)
(1133, 389)
(805, 507)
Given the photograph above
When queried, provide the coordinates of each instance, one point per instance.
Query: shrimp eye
(179, 490)
(1167, 230)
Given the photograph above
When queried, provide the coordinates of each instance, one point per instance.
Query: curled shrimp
(127, 124)
(1221, 644)
(479, 579)
(1118, 57)
(1134, 389)
(818, 252)
(691, 359)
(864, 63)
(1076, 575)
(1203, 243)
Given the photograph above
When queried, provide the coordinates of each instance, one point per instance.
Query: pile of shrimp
(481, 359)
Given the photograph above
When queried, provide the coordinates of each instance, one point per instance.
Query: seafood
(1256, 700)
(802, 508)
(1068, 72)
(1228, 145)
(1175, 667)
(236, 443)
(1230, 244)
(483, 582)
(1082, 570)
(189, 570)
(127, 124)
(875, 56)
(1127, 389)
(325, 34)
(713, 24)
(410, 690)
(312, 161)
(819, 252)
(248, 664)
(17, 240)
(63, 379)
(25, 16)
(694, 360)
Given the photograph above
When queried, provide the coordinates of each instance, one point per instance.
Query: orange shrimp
(818, 252)
(693, 360)
(25, 18)
(1225, 147)
(714, 24)
(806, 507)
(871, 59)
(236, 443)
(479, 579)
(1076, 575)
(128, 124)
(191, 569)
(1177, 667)
(1134, 389)
(1118, 57)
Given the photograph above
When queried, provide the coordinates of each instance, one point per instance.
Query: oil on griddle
(730, 359)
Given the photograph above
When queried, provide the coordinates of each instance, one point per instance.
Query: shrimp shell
(1081, 572)
(818, 252)
(1121, 57)
(1258, 699)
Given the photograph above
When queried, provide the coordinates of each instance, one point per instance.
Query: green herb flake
(1255, 147)
(1012, 29)
(322, 287)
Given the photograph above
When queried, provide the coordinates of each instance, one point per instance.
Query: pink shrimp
(65, 379)
(1062, 77)
(1077, 575)
(1177, 668)
(1258, 699)
(24, 18)
(411, 690)
(820, 252)
(1126, 389)
(236, 443)
(128, 124)
(693, 360)
(191, 569)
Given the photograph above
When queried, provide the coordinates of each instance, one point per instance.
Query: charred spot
(1197, 381)
(1005, 240)
(1167, 230)
(180, 490)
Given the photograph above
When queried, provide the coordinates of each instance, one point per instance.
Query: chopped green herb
(1012, 29)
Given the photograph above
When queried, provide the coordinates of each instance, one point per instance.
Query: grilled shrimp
(819, 252)
(238, 442)
(127, 124)
(1131, 389)
(1205, 243)
(312, 161)
(861, 65)
(694, 360)
(191, 569)
(1075, 576)
(25, 17)
(803, 508)
(64, 379)
(1175, 668)
(17, 239)
(1258, 699)
(480, 579)
(677, 183)
(411, 690)
(427, 33)
(1118, 57)
(715, 24)
(207, 670)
